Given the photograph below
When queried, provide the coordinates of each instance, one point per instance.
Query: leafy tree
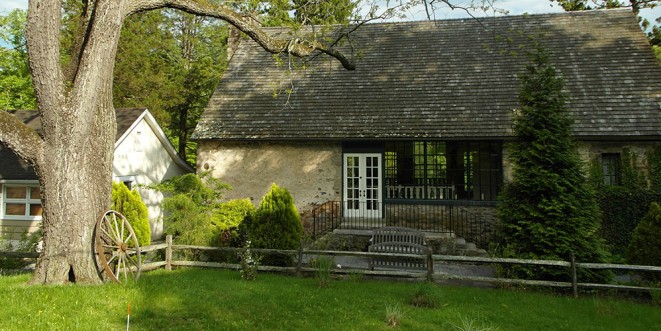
(548, 211)
(16, 90)
(143, 69)
(170, 62)
(646, 243)
(129, 203)
(73, 87)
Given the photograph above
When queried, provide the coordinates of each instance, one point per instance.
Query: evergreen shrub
(129, 203)
(646, 241)
(621, 210)
(275, 224)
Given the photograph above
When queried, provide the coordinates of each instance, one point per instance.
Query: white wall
(142, 156)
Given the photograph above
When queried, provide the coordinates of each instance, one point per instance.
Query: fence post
(300, 259)
(430, 265)
(168, 252)
(574, 277)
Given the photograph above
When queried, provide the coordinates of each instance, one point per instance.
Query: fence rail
(429, 273)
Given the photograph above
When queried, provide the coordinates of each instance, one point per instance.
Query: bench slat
(398, 240)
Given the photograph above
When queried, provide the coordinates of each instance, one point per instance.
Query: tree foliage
(276, 223)
(129, 203)
(635, 5)
(308, 12)
(170, 62)
(646, 243)
(548, 211)
(195, 214)
(16, 90)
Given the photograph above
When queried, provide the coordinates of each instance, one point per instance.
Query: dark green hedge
(621, 210)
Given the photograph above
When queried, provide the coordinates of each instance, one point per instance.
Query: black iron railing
(438, 218)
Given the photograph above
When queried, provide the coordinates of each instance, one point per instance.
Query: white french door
(362, 185)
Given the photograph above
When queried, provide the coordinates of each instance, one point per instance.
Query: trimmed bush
(646, 240)
(129, 203)
(275, 224)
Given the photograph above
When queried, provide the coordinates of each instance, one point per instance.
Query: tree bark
(78, 121)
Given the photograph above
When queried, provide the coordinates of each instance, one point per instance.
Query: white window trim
(4, 200)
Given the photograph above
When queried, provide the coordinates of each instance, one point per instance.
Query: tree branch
(296, 47)
(20, 138)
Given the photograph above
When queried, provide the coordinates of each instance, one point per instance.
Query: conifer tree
(549, 210)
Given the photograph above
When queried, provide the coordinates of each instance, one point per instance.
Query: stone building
(425, 118)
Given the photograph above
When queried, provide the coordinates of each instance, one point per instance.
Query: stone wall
(311, 171)
(639, 151)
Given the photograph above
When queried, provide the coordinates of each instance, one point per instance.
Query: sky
(514, 7)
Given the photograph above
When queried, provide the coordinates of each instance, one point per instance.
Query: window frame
(474, 184)
(611, 161)
(27, 201)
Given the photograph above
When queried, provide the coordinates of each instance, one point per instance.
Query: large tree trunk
(78, 120)
(76, 186)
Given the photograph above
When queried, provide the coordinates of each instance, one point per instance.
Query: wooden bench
(398, 240)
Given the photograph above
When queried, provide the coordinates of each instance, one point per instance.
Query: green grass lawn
(198, 299)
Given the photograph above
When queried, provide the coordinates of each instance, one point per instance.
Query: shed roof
(447, 79)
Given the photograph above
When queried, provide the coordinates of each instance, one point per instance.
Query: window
(443, 170)
(21, 202)
(610, 165)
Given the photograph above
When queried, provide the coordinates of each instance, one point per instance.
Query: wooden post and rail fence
(428, 274)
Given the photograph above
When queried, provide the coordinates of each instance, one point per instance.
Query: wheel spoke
(122, 233)
(128, 237)
(120, 265)
(134, 261)
(115, 228)
(112, 259)
(110, 235)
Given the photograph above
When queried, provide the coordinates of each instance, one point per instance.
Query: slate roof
(448, 79)
(13, 168)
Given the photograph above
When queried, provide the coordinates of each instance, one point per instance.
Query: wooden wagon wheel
(117, 247)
